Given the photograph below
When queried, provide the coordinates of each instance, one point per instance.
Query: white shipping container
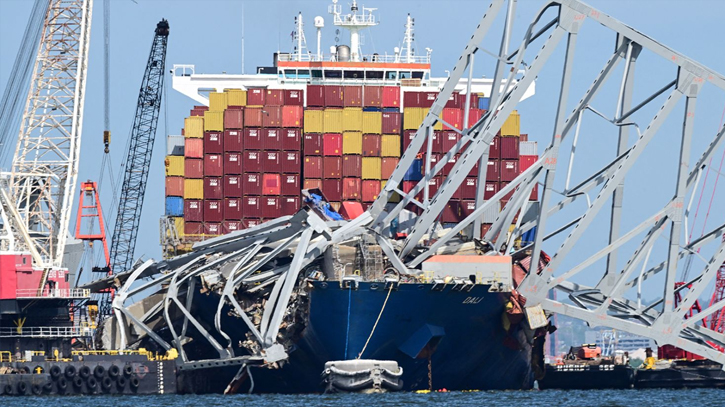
(528, 148)
(175, 145)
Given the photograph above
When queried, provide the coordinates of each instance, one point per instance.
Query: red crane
(717, 320)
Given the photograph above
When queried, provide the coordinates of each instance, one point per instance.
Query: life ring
(22, 388)
(36, 389)
(114, 371)
(84, 372)
(55, 372)
(106, 383)
(127, 370)
(98, 371)
(70, 371)
(121, 383)
(134, 382)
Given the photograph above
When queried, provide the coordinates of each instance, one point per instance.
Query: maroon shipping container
(274, 97)
(452, 212)
(194, 168)
(371, 145)
(271, 184)
(213, 210)
(332, 144)
(332, 188)
(313, 144)
(467, 190)
(387, 166)
(291, 184)
(251, 207)
(213, 165)
(332, 168)
(353, 96)
(229, 226)
(289, 162)
(174, 186)
(372, 96)
(194, 148)
(232, 208)
(197, 112)
(193, 210)
(251, 222)
(252, 161)
(315, 96)
(408, 136)
(233, 140)
(509, 148)
(523, 137)
(449, 165)
(447, 140)
(509, 170)
(213, 188)
(467, 208)
(333, 96)
(351, 189)
(490, 189)
(352, 166)
(193, 228)
(370, 190)
(292, 116)
(289, 205)
(426, 99)
(234, 119)
(433, 161)
(233, 186)
(270, 139)
(433, 185)
(233, 163)
(311, 183)
(270, 161)
(391, 122)
(290, 139)
(312, 167)
(252, 184)
(253, 139)
(213, 142)
(494, 152)
(270, 206)
(494, 171)
(294, 97)
(410, 99)
(508, 196)
(253, 117)
(272, 116)
(454, 101)
(391, 96)
(255, 97)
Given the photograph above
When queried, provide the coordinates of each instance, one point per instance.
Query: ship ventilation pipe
(343, 53)
(319, 23)
(333, 51)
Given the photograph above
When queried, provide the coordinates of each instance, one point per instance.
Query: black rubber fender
(92, 383)
(70, 371)
(77, 382)
(62, 384)
(48, 387)
(36, 389)
(99, 371)
(107, 383)
(22, 388)
(134, 382)
(55, 372)
(114, 371)
(8, 389)
(121, 382)
(127, 370)
(84, 372)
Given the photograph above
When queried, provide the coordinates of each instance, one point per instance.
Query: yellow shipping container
(313, 121)
(193, 188)
(213, 120)
(414, 116)
(236, 97)
(352, 142)
(390, 145)
(174, 165)
(371, 168)
(512, 125)
(395, 197)
(372, 122)
(332, 122)
(179, 225)
(194, 127)
(352, 119)
(217, 101)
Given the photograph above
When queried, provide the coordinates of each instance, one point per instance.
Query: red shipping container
(467, 189)
(370, 190)
(233, 163)
(474, 115)
(290, 139)
(351, 189)
(270, 139)
(233, 140)
(454, 117)
(271, 184)
(387, 166)
(312, 144)
(523, 137)
(252, 161)
(494, 171)
(332, 168)
(197, 112)
(213, 165)
(253, 117)
(233, 186)
(194, 148)
(251, 207)
(353, 96)
(255, 97)
(509, 148)
(352, 166)
(292, 116)
(451, 212)
(485, 227)
(274, 97)
(289, 205)
(234, 119)
(315, 96)
(252, 184)
(472, 105)
(525, 162)
(232, 208)
(391, 122)
(494, 152)
(174, 186)
(311, 183)
(294, 97)
(291, 184)
(271, 162)
(289, 162)
(193, 228)
(272, 116)
(213, 210)
(213, 142)
(371, 145)
(391, 96)
(229, 226)
(213, 188)
(312, 167)
(253, 139)
(446, 141)
(269, 207)
(333, 96)
(490, 189)
(193, 210)
(332, 144)
(509, 170)
(332, 188)
(193, 168)
(372, 96)
(508, 196)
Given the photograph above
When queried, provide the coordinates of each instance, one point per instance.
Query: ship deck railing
(56, 293)
(379, 58)
(46, 332)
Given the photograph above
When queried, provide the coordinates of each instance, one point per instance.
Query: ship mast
(354, 22)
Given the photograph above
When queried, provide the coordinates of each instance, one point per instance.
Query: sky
(209, 34)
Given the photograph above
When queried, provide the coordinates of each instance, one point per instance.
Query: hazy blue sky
(208, 34)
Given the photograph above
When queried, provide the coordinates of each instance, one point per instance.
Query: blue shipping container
(391, 110)
(415, 172)
(174, 206)
(371, 109)
(484, 103)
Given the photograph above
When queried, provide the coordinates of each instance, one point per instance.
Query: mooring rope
(376, 322)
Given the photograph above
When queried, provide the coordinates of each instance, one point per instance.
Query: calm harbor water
(548, 398)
